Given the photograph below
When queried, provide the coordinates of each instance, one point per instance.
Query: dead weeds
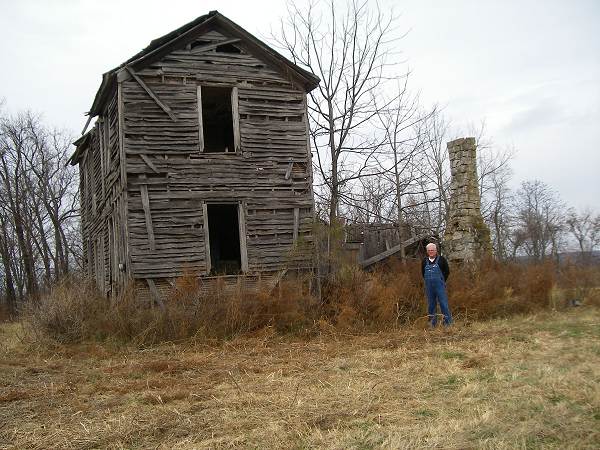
(525, 382)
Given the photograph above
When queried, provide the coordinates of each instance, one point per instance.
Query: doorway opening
(224, 238)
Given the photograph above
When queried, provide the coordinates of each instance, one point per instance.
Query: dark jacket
(441, 262)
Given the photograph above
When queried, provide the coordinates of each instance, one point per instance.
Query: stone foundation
(467, 237)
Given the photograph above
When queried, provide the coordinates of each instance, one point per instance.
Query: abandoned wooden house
(199, 161)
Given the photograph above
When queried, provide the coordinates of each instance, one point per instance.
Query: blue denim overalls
(435, 287)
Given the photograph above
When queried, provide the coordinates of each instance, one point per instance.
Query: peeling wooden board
(155, 293)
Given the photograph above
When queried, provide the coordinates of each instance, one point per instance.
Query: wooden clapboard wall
(103, 202)
(169, 179)
(145, 183)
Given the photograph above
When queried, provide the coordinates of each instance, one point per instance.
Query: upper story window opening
(218, 121)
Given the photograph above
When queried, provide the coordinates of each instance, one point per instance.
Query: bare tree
(585, 228)
(539, 220)
(38, 206)
(13, 145)
(348, 46)
(369, 201)
(434, 174)
(403, 125)
(496, 210)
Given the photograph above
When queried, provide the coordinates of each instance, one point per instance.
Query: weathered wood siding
(270, 178)
(103, 202)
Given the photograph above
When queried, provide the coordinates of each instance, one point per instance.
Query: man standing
(435, 273)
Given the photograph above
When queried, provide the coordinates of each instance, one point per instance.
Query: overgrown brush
(225, 311)
(75, 311)
(492, 289)
(356, 299)
(5, 313)
(353, 300)
(580, 282)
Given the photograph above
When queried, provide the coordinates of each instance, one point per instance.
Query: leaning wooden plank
(200, 126)
(144, 86)
(122, 154)
(395, 249)
(236, 119)
(155, 293)
(87, 124)
(149, 163)
(296, 224)
(147, 214)
(206, 238)
(242, 231)
(288, 172)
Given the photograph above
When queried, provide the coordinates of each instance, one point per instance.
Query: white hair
(430, 245)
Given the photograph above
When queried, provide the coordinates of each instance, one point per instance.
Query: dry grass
(74, 312)
(526, 382)
(353, 301)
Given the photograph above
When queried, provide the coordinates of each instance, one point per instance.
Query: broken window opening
(199, 43)
(224, 238)
(228, 48)
(217, 120)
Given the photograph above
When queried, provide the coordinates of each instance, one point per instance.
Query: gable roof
(213, 20)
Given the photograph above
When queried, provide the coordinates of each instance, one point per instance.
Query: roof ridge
(109, 78)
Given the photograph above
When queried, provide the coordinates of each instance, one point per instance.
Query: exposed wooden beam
(395, 249)
(154, 293)
(87, 124)
(235, 114)
(147, 214)
(151, 93)
(206, 238)
(149, 163)
(242, 231)
(200, 124)
(122, 155)
(288, 172)
(296, 225)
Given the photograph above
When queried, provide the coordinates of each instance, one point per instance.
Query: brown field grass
(530, 381)
(353, 300)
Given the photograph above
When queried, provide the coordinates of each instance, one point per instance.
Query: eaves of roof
(162, 45)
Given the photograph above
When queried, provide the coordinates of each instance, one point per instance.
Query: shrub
(352, 300)
(494, 289)
(75, 311)
(381, 299)
(580, 282)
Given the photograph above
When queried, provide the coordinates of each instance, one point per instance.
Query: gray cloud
(544, 112)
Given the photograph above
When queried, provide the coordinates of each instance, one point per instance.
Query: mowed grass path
(528, 382)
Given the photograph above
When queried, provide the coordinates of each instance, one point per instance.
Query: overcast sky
(529, 69)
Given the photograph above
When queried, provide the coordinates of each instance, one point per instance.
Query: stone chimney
(467, 237)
